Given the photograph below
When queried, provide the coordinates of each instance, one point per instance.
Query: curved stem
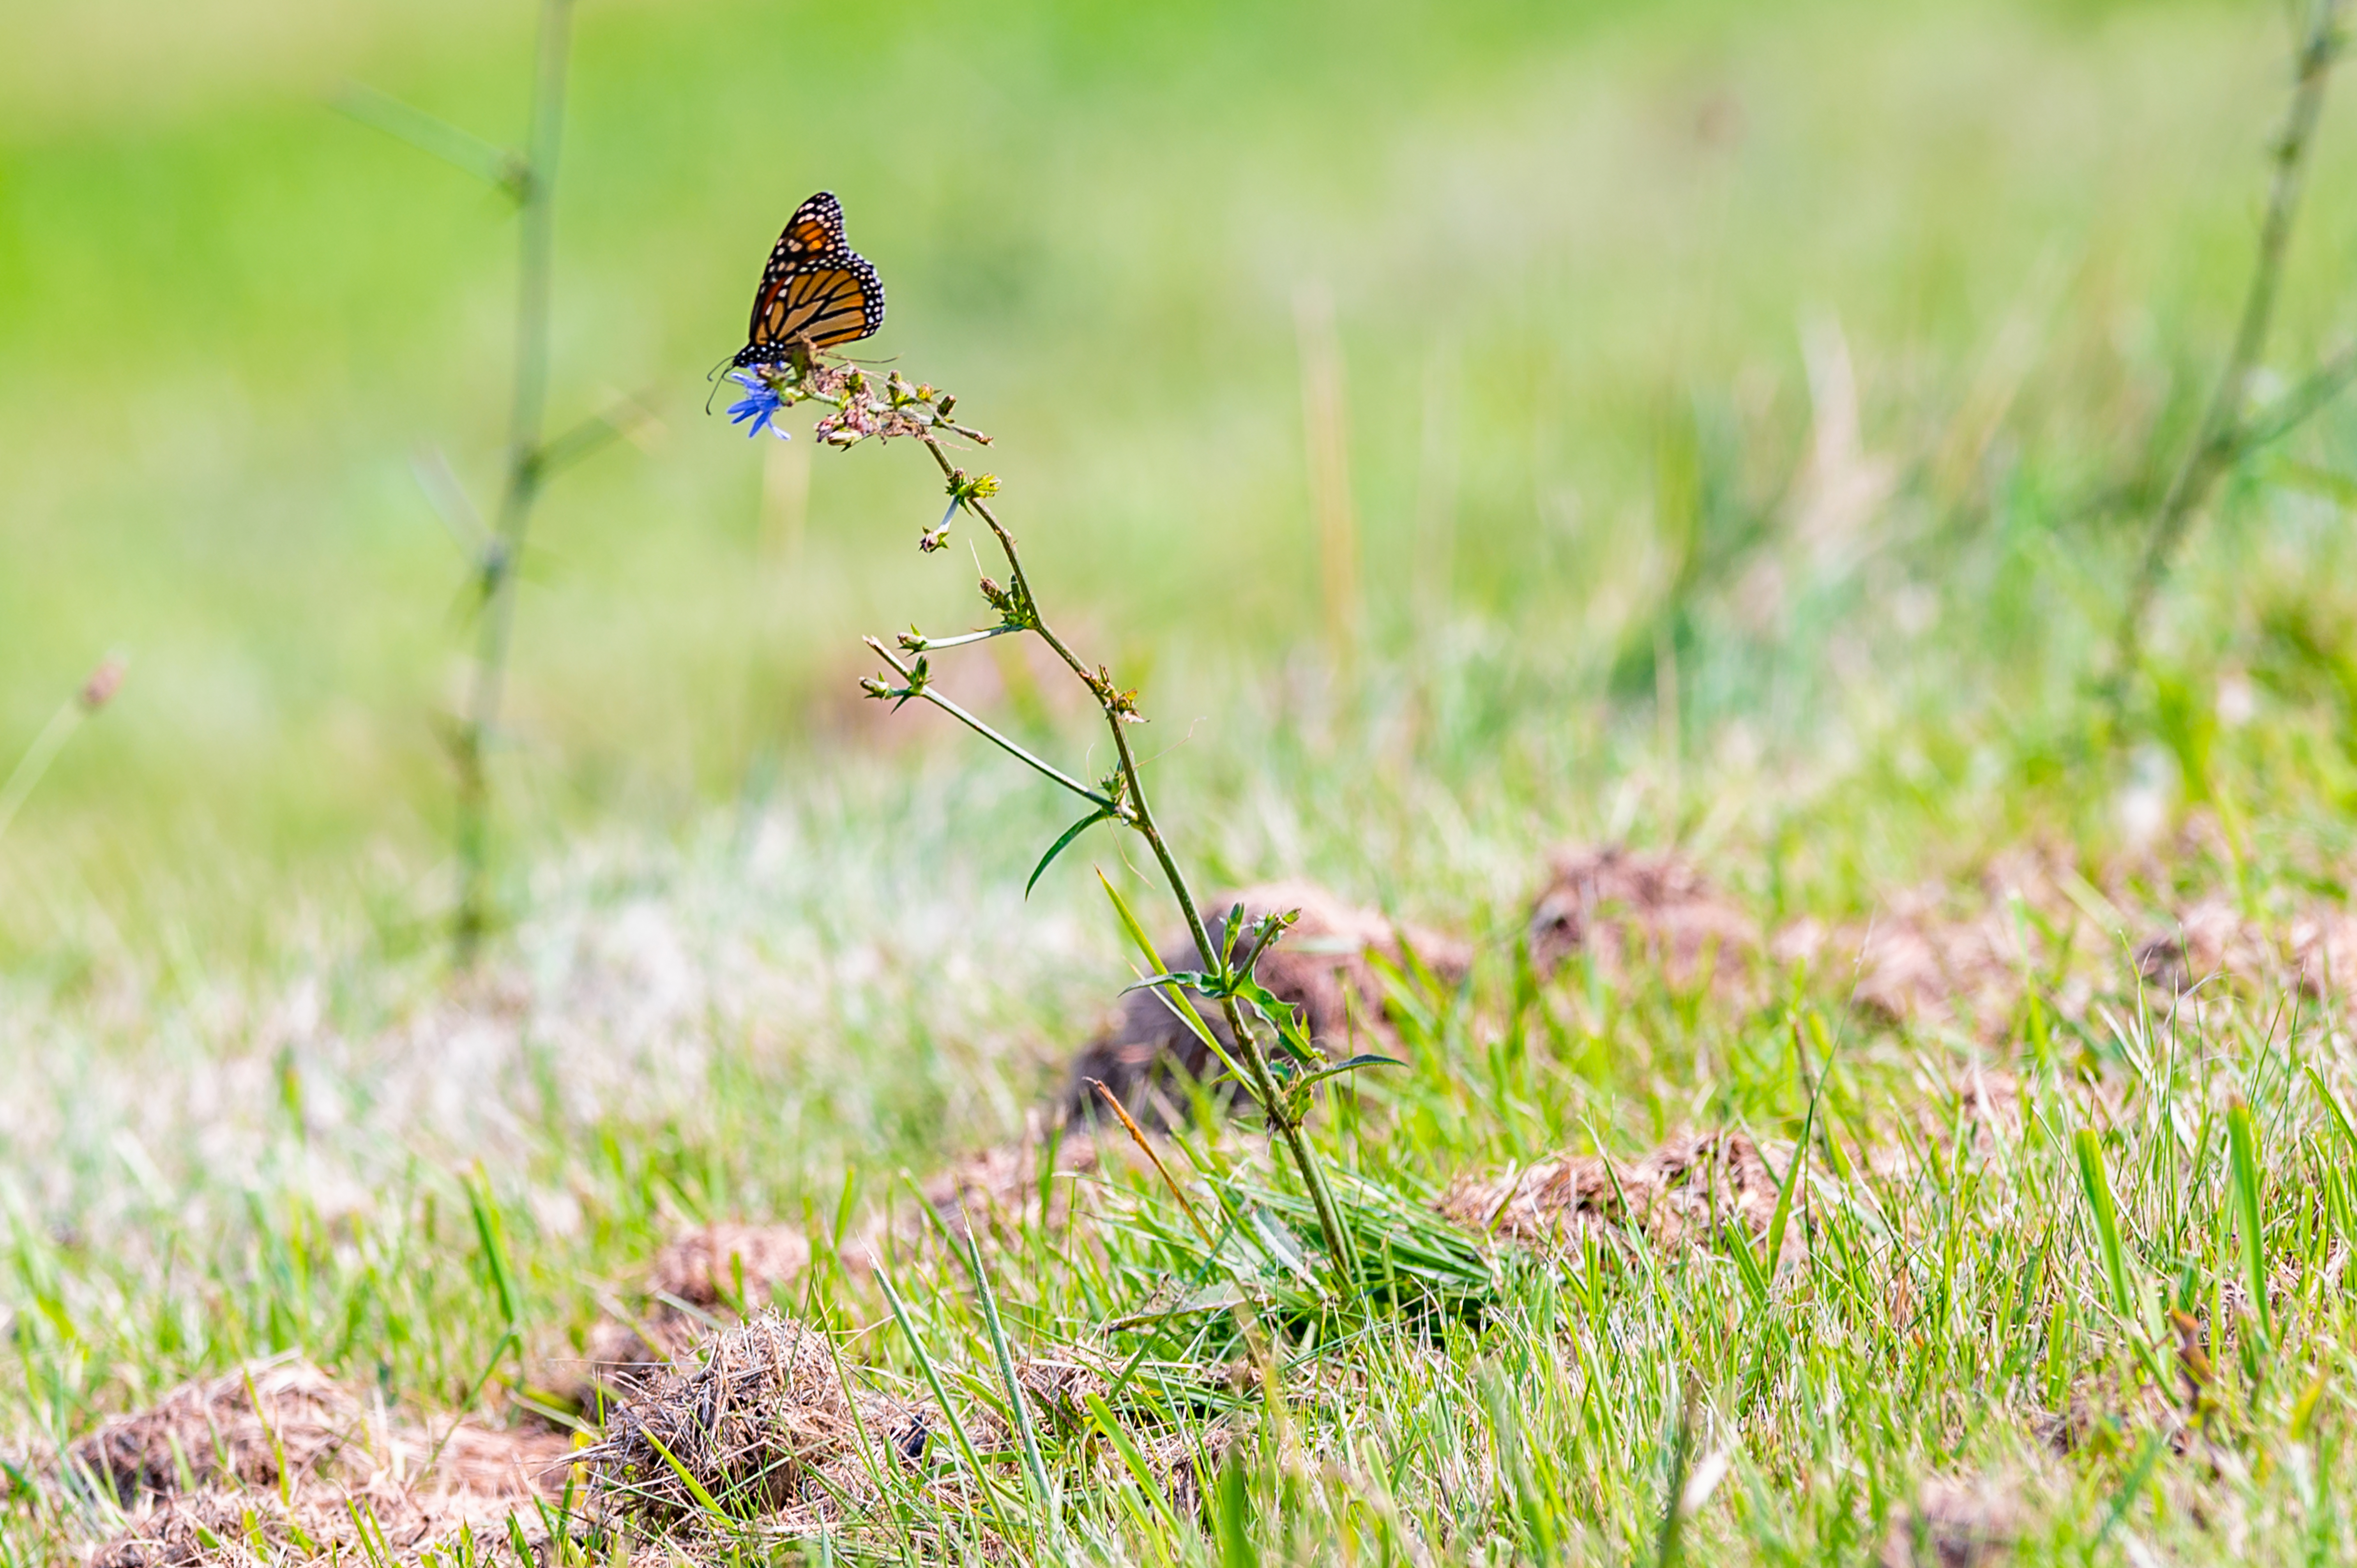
(1287, 1127)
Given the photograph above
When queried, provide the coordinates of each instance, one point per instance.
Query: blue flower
(762, 406)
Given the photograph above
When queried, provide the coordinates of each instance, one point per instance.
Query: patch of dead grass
(273, 1421)
(280, 1463)
(762, 1420)
(1682, 1193)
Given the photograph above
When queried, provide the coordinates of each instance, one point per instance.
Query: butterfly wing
(816, 229)
(829, 301)
(816, 292)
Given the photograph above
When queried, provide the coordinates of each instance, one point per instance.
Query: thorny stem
(1140, 817)
(528, 467)
(2222, 435)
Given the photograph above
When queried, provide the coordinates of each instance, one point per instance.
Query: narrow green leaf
(1738, 1246)
(704, 1499)
(1281, 1014)
(1129, 923)
(1231, 1503)
(1075, 830)
(1139, 1470)
(2097, 1186)
(981, 1477)
(2339, 1111)
(1174, 997)
(1364, 1059)
(1793, 1172)
(1193, 979)
(1020, 1408)
(372, 1544)
(2243, 1160)
(489, 1231)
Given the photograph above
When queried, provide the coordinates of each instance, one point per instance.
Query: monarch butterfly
(816, 292)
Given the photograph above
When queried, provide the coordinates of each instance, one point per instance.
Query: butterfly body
(815, 292)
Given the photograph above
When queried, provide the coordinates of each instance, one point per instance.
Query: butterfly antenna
(713, 376)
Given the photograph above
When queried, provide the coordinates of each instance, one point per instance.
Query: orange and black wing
(816, 292)
(816, 229)
(835, 300)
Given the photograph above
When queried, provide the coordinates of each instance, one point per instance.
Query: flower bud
(103, 682)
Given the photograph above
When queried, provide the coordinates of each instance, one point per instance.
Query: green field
(1752, 421)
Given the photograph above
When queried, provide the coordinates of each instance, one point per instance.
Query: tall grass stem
(527, 467)
(2223, 436)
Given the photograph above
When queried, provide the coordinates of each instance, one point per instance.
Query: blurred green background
(1604, 275)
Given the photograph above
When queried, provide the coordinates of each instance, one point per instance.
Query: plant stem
(527, 467)
(1011, 748)
(37, 759)
(2221, 436)
(1287, 1126)
(96, 692)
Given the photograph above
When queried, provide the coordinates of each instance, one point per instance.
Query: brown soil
(1627, 909)
(2214, 947)
(280, 1463)
(1326, 965)
(1001, 1189)
(1681, 1194)
(1954, 1524)
(1912, 964)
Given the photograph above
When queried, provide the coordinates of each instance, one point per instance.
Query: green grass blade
(1131, 1458)
(981, 1477)
(2243, 1160)
(704, 1499)
(2096, 1184)
(2338, 1113)
(1174, 997)
(491, 1234)
(1018, 1408)
(1793, 1174)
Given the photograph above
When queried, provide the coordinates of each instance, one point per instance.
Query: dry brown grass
(762, 1419)
(1682, 1193)
(280, 1463)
